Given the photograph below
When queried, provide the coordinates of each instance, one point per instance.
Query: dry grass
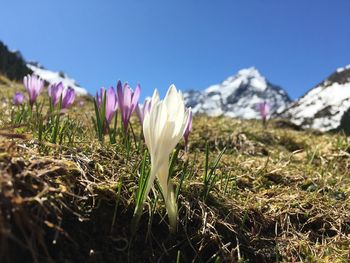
(280, 195)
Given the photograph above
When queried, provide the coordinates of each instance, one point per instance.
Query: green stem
(136, 218)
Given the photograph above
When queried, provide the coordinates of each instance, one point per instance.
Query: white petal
(155, 98)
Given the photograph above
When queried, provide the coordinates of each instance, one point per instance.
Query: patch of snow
(55, 77)
(341, 69)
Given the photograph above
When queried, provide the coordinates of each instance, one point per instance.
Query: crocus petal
(111, 102)
(155, 98)
(102, 94)
(68, 98)
(120, 94)
(135, 97)
(127, 97)
(141, 111)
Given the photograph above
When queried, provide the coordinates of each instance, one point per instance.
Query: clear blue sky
(192, 43)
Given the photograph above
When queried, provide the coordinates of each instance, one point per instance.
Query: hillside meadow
(244, 193)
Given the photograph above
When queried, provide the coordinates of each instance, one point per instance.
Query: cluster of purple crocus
(34, 86)
(57, 91)
(123, 98)
(127, 101)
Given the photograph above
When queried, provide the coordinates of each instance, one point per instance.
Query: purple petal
(110, 104)
(188, 129)
(135, 97)
(127, 97)
(68, 98)
(120, 94)
(99, 98)
(139, 112)
(188, 125)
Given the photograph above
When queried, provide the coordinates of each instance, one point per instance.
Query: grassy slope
(279, 195)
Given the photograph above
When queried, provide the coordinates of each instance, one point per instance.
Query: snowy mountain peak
(253, 75)
(323, 106)
(55, 77)
(250, 72)
(343, 68)
(237, 96)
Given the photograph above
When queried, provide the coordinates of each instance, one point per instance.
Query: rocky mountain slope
(12, 64)
(323, 106)
(238, 96)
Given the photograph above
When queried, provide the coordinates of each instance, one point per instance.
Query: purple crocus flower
(264, 109)
(127, 100)
(188, 129)
(18, 98)
(100, 96)
(68, 97)
(111, 102)
(141, 111)
(33, 85)
(55, 91)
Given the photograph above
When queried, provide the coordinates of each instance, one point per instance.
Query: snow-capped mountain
(322, 107)
(55, 77)
(238, 96)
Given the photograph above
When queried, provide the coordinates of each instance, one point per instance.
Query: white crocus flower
(163, 128)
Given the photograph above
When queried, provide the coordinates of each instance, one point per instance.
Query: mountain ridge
(238, 95)
(323, 106)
